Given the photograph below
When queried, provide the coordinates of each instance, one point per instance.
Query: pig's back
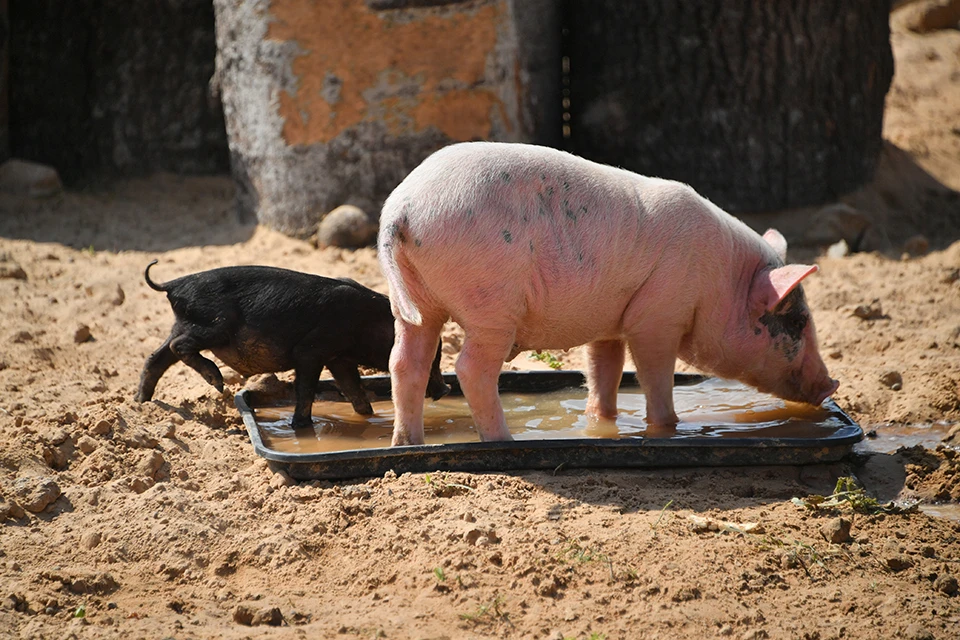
(542, 233)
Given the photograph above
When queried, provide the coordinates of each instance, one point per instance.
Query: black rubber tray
(568, 453)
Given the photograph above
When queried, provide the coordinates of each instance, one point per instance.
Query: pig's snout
(826, 391)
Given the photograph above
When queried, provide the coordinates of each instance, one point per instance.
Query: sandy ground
(122, 520)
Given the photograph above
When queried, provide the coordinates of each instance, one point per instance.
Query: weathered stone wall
(100, 88)
(334, 102)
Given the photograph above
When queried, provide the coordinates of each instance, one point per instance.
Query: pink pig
(527, 247)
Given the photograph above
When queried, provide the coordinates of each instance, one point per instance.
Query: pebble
(838, 249)
(91, 539)
(82, 334)
(150, 464)
(836, 531)
(281, 479)
(102, 427)
(36, 493)
(348, 227)
(118, 297)
(21, 177)
(11, 270)
(946, 585)
(872, 311)
(892, 379)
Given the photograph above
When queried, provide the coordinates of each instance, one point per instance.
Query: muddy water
(714, 408)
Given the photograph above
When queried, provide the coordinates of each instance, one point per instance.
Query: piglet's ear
(771, 287)
(777, 241)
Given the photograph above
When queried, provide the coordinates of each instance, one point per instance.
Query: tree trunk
(102, 88)
(758, 104)
(334, 102)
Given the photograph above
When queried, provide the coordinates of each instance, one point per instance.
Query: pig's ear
(777, 241)
(771, 287)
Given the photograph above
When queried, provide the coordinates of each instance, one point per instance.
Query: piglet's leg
(478, 370)
(305, 386)
(604, 370)
(348, 379)
(410, 361)
(655, 360)
(156, 365)
(188, 349)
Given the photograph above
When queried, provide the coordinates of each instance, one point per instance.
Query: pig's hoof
(301, 422)
(363, 409)
(403, 440)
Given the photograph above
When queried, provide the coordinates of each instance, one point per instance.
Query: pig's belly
(566, 332)
(253, 357)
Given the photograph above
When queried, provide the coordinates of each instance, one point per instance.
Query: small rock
(20, 177)
(836, 531)
(56, 435)
(915, 631)
(139, 485)
(268, 615)
(21, 336)
(167, 429)
(892, 379)
(82, 334)
(102, 428)
(12, 271)
(37, 493)
(898, 563)
(346, 226)
(281, 479)
(952, 276)
(917, 245)
(872, 311)
(838, 222)
(150, 464)
(934, 16)
(90, 540)
(838, 249)
(11, 510)
(946, 585)
(118, 297)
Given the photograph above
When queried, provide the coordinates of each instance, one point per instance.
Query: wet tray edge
(634, 452)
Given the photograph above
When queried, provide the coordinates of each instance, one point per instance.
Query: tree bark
(758, 104)
(335, 102)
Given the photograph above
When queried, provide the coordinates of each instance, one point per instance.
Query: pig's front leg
(604, 372)
(655, 359)
(410, 361)
(305, 385)
(478, 370)
(348, 379)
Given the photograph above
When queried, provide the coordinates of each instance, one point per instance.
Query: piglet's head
(783, 356)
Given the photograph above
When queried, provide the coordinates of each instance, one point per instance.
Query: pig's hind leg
(348, 379)
(478, 370)
(604, 371)
(187, 348)
(411, 358)
(156, 365)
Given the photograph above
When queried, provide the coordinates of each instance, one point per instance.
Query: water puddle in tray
(713, 408)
